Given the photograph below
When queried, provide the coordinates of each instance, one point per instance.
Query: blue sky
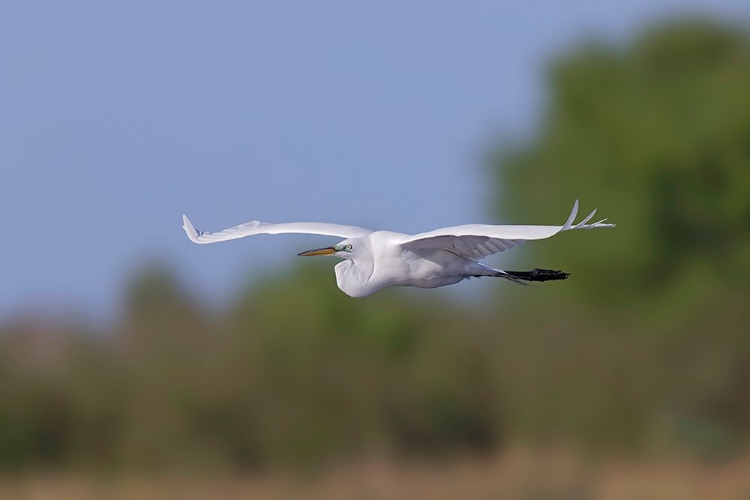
(117, 117)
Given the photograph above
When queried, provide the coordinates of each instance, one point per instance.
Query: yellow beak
(318, 251)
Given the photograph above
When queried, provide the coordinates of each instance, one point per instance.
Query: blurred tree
(163, 338)
(657, 135)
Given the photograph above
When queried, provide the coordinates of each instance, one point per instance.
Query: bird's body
(374, 260)
(396, 264)
(389, 263)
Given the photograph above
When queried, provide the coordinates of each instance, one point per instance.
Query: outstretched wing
(476, 241)
(256, 227)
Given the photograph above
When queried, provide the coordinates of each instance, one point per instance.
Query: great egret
(373, 260)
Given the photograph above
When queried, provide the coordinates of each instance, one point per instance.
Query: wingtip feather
(584, 221)
(190, 229)
(573, 213)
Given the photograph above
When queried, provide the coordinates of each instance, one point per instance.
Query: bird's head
(347, 249)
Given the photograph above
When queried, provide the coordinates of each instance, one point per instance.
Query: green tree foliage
(295, 372)
(657, 135)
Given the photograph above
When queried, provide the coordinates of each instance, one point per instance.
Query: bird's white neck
(353, 276)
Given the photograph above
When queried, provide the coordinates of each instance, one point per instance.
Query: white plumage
(373, 260)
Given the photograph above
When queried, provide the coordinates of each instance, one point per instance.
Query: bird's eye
(348, 248)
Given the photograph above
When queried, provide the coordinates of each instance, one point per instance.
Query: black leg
(539, 275)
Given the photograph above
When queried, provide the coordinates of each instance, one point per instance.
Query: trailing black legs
(538, 275)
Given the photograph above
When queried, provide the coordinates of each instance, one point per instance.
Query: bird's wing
(256, 227)
(477, 241)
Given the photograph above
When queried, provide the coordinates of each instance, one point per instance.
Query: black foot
(539, 275)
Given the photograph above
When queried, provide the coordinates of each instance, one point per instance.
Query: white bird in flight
(373, 260)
